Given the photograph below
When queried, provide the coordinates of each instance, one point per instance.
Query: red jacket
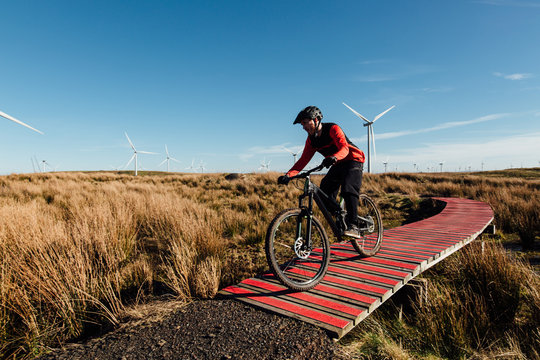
(331, 142)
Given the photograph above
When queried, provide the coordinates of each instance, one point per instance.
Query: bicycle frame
(313, 192)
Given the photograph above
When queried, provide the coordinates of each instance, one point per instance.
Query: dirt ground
(212, 329)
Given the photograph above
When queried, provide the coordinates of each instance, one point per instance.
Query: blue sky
(220, 82)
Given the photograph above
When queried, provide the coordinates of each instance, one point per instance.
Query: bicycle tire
(296, 267)
(370, 222)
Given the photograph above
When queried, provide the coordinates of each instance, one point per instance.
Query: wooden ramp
(354, 287)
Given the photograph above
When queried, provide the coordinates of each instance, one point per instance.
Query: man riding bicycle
(345, 160)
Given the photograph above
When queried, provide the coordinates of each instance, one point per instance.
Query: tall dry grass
(481, 304)
(515, 201)
(481, 300)
(78, 249)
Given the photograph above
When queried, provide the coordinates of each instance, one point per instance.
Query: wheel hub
(301, 249)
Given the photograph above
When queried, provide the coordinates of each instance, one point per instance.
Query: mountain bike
(297, 247)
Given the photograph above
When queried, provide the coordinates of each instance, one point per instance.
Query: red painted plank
(308, 313)
(305, 297)
(345, 294)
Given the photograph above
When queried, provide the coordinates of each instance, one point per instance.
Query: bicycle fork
(303, 247)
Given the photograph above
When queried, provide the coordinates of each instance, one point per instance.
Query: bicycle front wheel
(298, 263)
(371, 227)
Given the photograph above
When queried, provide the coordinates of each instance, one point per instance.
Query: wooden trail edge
(354, 287)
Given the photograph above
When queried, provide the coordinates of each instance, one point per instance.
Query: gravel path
(212, 329)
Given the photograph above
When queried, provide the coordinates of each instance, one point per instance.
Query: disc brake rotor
(301, 251)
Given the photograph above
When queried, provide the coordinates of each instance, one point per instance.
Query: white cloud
(447, 125)
(517, 76)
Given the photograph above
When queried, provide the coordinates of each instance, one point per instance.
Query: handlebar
(305, 174)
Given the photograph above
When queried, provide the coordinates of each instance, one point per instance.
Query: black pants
(348, 176)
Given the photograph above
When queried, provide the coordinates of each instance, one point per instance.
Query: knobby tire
(371, 240)
(300, 269)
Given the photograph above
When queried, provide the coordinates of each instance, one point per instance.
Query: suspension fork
(307, 211)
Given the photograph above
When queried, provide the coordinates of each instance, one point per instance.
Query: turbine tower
(43, 163)
(6, 116)
(135, 152)
(168, 158)
(385, 163)
(370, 133)
(441, 164)
(201, 166)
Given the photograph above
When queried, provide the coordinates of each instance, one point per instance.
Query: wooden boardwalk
(354, 287)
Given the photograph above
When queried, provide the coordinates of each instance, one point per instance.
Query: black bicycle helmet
(311, 112)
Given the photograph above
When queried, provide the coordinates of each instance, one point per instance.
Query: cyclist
(345, 160)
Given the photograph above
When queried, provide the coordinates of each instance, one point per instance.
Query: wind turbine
(385, 163)
(192, 165)
(43, 163)
(135, 152)
(4, 115)
(293, 154)
(201, 166)
(264, 165)
(167, 159)
(441, 164)
(370, 133)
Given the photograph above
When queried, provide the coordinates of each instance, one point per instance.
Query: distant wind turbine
(385, 163)
(292, 153)
(265, 165)
(135, 152)
(192, 166)
(168, 158)
(370, 133)
(44, 162)
(441, 164)
(4, 115)
(201, 166)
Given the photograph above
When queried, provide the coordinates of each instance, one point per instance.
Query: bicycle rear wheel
(371, 227)
(295, 263)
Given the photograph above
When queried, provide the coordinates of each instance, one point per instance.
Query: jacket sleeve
(338, 136)
(307, 154)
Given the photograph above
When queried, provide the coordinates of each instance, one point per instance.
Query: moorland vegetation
(77, 250)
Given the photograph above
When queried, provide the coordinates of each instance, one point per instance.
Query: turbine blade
(130, 160)
(163, 162)
(384, 112)
(37, 163)
(167, 150)
(18, 122)
(130, 143)
(147, 152)
(357, 113)
(287, 150)
(173, 159)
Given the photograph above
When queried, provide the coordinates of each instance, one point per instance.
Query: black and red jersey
(331, 142)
